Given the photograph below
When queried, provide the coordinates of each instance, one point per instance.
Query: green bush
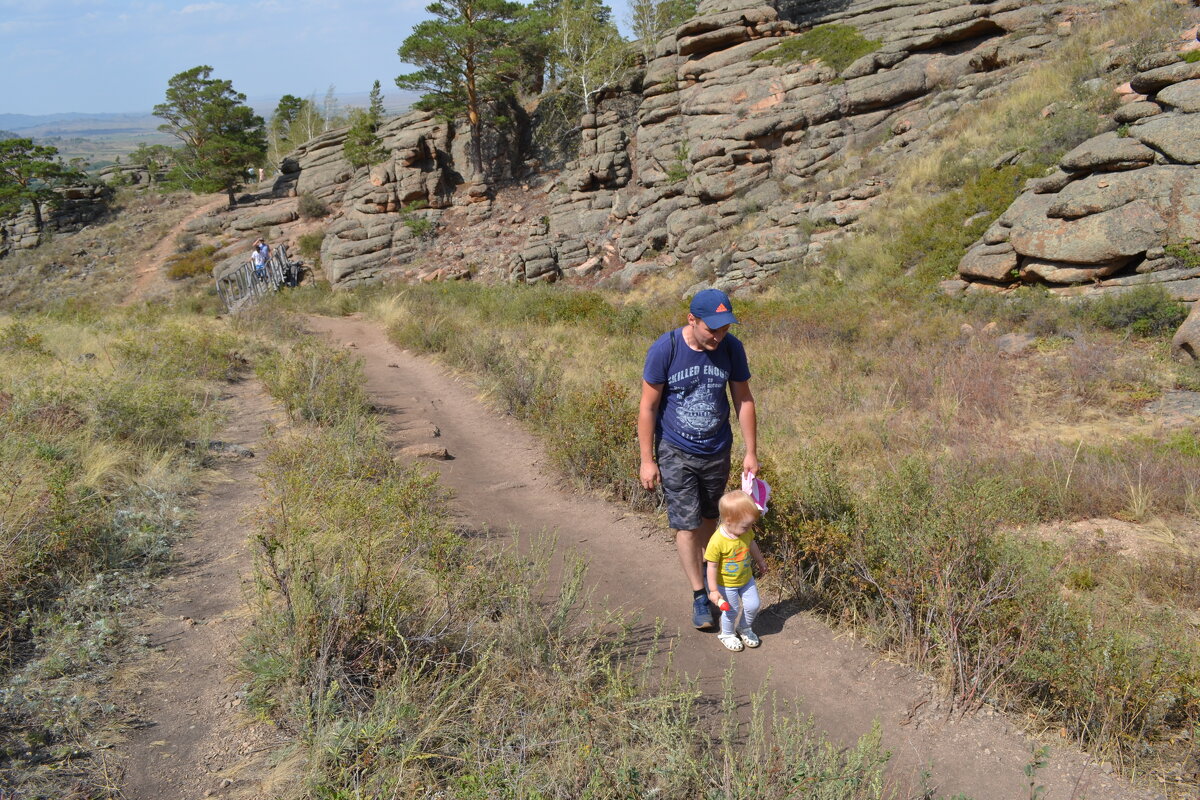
(315, 382)
(310, 207)
(310, 246)
(192, 263)
(1147, 311)
(837, 45)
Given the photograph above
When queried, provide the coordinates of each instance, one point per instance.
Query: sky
(98, 56)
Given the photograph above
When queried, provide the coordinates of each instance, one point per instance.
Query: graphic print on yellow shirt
(732, 557)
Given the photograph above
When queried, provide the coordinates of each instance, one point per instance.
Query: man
(260, 256)
(684, 432)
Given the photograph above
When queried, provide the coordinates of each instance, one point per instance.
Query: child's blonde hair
(737, 507)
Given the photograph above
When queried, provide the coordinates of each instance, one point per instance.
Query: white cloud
(200, 8)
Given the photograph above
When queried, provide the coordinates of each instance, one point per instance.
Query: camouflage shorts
(693, 485)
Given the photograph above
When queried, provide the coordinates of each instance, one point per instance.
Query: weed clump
(194, 263)
(310, 246)
(315, 382)
(838, 46)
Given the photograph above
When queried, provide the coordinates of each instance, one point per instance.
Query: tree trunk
(37, 214)
(474, 119)
(232, 199)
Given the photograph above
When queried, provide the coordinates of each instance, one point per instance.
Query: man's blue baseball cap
(713, 307)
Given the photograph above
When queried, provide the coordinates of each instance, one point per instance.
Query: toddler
(730, 578)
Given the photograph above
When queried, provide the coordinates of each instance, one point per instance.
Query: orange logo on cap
(722, 307)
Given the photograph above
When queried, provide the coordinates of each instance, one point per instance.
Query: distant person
(260, 174)
(731, 583)
(260, 256)
(684, 433)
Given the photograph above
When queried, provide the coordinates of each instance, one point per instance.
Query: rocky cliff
(721, 158)
(76, 207)
(1121, 209)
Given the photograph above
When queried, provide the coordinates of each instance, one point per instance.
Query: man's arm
(743, 405)
(647, 419)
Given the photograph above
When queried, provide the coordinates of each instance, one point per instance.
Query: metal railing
(245, 285)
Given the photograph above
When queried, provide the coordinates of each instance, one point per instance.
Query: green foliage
(310, 245)
(838, 46)
(19, 337)
(1191, 56)
(156, 158)
(1185, 253)
(362, 146)
(677, 170)
(1147, 311)
(30, 174)
(192, 263)
(420, 227)
(310, 207)
(930, 243)
(315, 382)
(221, 136)
(587, 54)
(467, 58)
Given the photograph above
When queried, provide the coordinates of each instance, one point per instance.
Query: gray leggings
(740, 598)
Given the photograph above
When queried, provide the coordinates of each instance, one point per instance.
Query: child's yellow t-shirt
(732, 557)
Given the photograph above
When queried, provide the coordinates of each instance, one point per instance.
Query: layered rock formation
(710, 158)
(77, 206)
(1121, 209)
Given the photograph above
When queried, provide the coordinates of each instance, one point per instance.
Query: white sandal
(749, 637)
(731, 641)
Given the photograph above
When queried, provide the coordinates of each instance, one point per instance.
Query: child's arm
(760, 563)
(713, 594)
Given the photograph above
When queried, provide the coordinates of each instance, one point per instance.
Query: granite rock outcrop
(1120, 211)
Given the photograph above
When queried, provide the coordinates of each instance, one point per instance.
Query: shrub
(186, 242)
(310, 207)
(836, 45)
(1146, 311)
(315, 382)
(310, 245)
(192, 263)
(677, 170)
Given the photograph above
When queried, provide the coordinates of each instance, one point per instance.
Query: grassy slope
(907, 454)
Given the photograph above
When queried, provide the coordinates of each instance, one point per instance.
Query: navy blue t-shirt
(694, 413)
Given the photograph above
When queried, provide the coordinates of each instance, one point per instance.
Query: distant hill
(102, 138)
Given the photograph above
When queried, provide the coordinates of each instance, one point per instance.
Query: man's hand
(649, 475)
(750, 464)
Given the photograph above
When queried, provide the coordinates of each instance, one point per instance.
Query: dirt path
(193, 741)
(147, 271)
(497, 474)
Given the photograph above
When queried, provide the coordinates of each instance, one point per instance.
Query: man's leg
(690, 545)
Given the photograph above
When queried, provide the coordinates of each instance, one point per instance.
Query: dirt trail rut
(192, 740)
(497, 473)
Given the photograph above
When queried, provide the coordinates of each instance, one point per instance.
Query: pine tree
(468, 61)
(30, 174)
(362, 146)
(221, 135)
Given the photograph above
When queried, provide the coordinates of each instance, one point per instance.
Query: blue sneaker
(702, 617)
